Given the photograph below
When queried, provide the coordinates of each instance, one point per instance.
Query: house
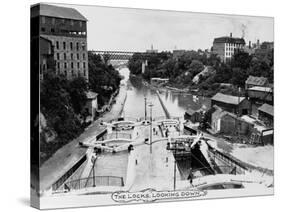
(157, 81)
(193, 115)
(253, 81)
(266, 114)
(259, 132)
(91, 104)
(228, 123)
(260, 93)
(233, 104)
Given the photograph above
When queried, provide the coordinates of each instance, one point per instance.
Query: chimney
(250, 45)
(258, 43)
(231, 34)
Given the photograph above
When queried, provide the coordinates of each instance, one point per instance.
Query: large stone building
(225, 47)
(63, 32)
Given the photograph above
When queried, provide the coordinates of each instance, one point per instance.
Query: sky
(137, 29)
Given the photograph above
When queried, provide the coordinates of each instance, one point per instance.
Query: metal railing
(118, 135)
(94, 182)
(126, 118)
(208, 171)
(227, 159)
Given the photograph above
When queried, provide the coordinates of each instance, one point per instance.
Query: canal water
(176, 103)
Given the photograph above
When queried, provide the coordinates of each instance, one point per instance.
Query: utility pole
(145, 108)
(94, 159)
(175, 163)
(150, 105)
(238, 113)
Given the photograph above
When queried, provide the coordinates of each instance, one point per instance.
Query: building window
(84, 65)
(57, 44)
(58, 56)
(64, 45)
(77, 46)
(52, 30)
(78, 65)
(84, 56)
(58, 66)
(71, 56)
(71, 45)
(83, 46)
(64, 56)
(77, 56)
(65, 65)
(71, 65)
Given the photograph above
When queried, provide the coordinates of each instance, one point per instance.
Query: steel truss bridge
(119, 55)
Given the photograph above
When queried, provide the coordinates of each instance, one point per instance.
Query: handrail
(232, 170)
(94, 181)
(118, 135)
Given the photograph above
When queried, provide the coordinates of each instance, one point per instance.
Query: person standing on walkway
(190, 177)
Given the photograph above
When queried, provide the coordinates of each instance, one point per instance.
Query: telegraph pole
(145, 108)
(93, 160)
(150, 105)
(175, 165)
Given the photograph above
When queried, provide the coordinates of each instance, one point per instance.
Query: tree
(195, 67)
(241, 60)
(239, 76)
(103, 78)
(77, 90)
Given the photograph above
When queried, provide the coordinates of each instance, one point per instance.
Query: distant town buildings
(178, 53)
(151, 50)
(63, 40)
(225, 47)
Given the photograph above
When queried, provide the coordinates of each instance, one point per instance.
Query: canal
(176, 103)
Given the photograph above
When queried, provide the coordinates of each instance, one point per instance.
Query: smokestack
(231, 34)
(258, 42)
(250, 44)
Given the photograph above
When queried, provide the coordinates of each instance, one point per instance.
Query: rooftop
(227, 39)
(259, 81)
(266, 108)
(234, 100)
(91, 95)
(259, 88)
(59, 12)
(189, 111)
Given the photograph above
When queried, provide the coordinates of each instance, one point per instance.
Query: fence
(94, 182)
(118, 135)
(226, 159)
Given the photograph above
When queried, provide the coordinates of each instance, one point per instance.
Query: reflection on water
(176, 103)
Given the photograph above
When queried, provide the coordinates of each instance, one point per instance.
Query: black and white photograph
(143, 106)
